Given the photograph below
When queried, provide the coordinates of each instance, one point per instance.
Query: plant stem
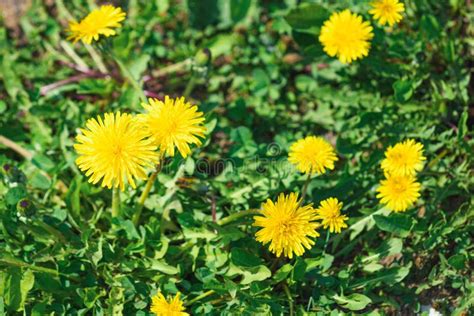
(143, 197)
(146, 192)
(96, 58)
(72, 54)
(327, 241)
(15, 147)
(305, 187)
(437, 159)
(235, 216)
(190, 86)
(53, 231)
(115, 202)
(290, 299)
(172, 68)
(18, 263)
(128, 75)
(200, 297)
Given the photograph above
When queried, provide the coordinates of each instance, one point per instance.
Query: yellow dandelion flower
(346, 36)
(100, 21)
(398, 192)
(405, 158)
(115, 150)
(387, 11)
(312, 154)
(161, 307)
(286, 225)
(173, 123)
(329, 212)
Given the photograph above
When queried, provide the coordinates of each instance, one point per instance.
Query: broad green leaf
(399, 224)
(12, 288)
(388, 276)
(403, 90)
(203, 12)
(307, 17)
(244, 258)
(282, 273)
(239, 9)
(26, 284)
(354, 302)
(43, 162)
(162, 266)
(458, 261)
(388, 247)
(249, 275)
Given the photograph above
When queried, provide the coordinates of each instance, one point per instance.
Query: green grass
(259, 73)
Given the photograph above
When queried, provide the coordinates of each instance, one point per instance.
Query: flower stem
(129, 76)
(305, 187)
(190, 86)
(146, 192)
(143, 197)
(200, 297)
(115, 202)
(290, 299)
(173, 68)
(96, 58)
(235, 216)
(327, 241)
(10, 261)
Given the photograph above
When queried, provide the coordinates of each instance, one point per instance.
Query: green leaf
(462, 126)
(387, 276)
(249, 275)
(43, 162)
(203, 12)
(398, 224)
(457, 261)
(387, 248)
(244, 258)
(11, 280)
(430, 26)
(324, 262)
(299, 269)
(160, 265)
(40, 181)
(259, 273)
(282, 273)
(26, 284)
(403, 90)
(138, 65)
(239, 9)
(308, 17)
(15, 194)
(90, 295)
(73, 197)
(354, 302)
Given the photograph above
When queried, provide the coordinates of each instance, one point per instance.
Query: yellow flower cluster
(118, 148)
(287, 225)
(400, 190)
(347, 36)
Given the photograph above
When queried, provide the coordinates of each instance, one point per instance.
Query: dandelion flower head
(101, 21)
(114, 149)
(286, 225)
